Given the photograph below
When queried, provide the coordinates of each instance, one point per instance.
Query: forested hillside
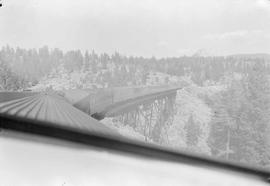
(222, 110)
(119, 70)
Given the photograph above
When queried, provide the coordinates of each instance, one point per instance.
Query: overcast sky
(139, 27)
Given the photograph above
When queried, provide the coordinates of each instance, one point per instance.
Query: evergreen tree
(224, 134)
(240, 124)
(192, 133)
(86, 61)
(256, 119)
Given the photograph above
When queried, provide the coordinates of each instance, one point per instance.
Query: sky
(160, 28)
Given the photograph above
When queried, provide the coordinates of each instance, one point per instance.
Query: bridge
(154, 106)
(112, 102)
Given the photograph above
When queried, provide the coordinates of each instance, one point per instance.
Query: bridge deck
(112, 101)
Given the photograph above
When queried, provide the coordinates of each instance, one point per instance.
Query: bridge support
(151, 119)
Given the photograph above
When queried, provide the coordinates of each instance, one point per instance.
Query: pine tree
(224, 134)
(86, 61)
(241, 119)
(192, 132)
(256, 119)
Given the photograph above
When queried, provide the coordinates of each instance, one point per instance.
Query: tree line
(33, 64)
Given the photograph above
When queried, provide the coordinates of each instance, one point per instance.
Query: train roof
(54, 109)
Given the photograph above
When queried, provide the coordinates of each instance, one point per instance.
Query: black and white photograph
(134, 92)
